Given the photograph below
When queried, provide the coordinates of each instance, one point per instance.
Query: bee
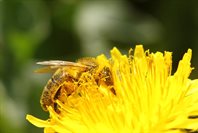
(70, 72)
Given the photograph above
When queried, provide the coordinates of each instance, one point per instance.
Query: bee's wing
(53, 65)
(47, 69)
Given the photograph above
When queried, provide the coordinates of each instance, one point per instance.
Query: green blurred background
(37, 30)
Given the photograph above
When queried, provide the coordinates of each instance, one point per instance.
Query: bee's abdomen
(45, 99)
(50, 89)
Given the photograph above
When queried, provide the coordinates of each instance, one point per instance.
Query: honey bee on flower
(66, 77)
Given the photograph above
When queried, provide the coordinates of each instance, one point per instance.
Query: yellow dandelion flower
(143, 98)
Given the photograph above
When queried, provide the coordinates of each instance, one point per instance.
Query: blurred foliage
(36, 30)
